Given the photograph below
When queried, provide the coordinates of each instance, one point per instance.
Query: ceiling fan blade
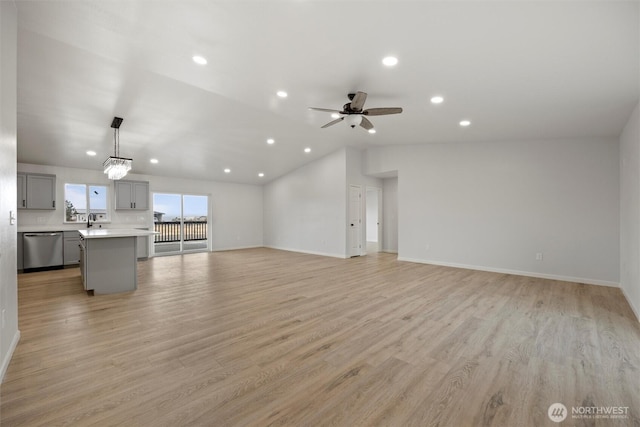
(382, 111)
(328, 110)
(358, 101)
(365, 123)
(331, 123)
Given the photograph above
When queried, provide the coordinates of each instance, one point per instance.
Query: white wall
(630, 211)
(494, 205)
(9, 333)
(305, 210)
(236, 208)
(372, 214)
(390, 215)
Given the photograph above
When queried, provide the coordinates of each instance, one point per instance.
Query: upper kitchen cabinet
(36, 191)
(132, 195)
(22, 191)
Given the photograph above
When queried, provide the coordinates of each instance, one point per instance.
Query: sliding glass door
(182, 223)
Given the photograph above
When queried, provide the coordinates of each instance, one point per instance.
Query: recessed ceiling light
(271, 141)
(390, 61)
(200, 60)
(282, 94)
(307, 150)
(91, 153)
(372, 131)
(260, 174)
(437, 99)
(335, 116)
(154, 161)
(227, 170)
(465, 123)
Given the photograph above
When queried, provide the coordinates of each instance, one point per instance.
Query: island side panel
(112, 264)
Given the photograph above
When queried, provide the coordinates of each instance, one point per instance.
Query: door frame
(354, 250)
(182, 250)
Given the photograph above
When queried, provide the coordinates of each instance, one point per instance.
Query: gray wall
(305, 210)
(390, 215)
(630, 211)
(495, 205)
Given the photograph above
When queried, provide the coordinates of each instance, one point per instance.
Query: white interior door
(355, 220)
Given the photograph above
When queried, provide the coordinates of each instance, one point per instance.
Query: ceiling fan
(354, 113)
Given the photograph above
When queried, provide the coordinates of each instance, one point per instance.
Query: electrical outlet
(427, 247)
(539, 256)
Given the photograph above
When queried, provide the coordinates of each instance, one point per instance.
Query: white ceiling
(518, 70)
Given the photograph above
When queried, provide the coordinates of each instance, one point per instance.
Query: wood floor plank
(262, 337)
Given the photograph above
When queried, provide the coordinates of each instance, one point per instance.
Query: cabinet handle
(54, 203)
(23, 203)
(131, 205)
(134, 205)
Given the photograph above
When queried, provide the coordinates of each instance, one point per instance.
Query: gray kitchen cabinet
(36, 191)
(22, 191)
(143, 246)
(132, 195)
(71, 248)
(83, 261)
(108, 259)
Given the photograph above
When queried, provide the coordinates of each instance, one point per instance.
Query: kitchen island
(108, 259)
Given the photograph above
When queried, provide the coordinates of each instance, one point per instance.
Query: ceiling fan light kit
(354, 120)
(116, 167)
(354, 113)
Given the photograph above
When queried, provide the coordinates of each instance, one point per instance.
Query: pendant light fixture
(116, 167)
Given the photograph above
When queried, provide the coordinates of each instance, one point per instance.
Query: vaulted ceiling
(517, 70)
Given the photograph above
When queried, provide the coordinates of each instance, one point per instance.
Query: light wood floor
(262, 337)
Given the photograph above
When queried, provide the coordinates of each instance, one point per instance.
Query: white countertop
(79, 226)
(102, 233)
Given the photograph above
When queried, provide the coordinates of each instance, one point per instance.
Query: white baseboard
(236, 248)
(7, 358)
(516, 272)
(307, 252)
(635, 309)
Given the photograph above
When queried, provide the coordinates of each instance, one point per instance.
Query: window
(84, 202)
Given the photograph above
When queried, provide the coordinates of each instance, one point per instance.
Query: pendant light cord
(116, 138)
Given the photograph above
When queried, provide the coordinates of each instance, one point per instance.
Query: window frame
(103, 218)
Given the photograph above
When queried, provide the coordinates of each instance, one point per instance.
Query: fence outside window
(170, 231)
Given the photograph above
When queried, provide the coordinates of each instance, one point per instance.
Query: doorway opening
(373, 214)
(182, 223)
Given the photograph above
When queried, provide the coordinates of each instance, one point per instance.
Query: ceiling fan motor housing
(347, 108)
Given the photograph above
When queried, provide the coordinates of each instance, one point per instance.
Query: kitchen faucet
(89, 224)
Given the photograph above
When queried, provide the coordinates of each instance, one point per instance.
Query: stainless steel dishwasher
(42, 250)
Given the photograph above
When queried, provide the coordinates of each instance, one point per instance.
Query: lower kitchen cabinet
(71, 247)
